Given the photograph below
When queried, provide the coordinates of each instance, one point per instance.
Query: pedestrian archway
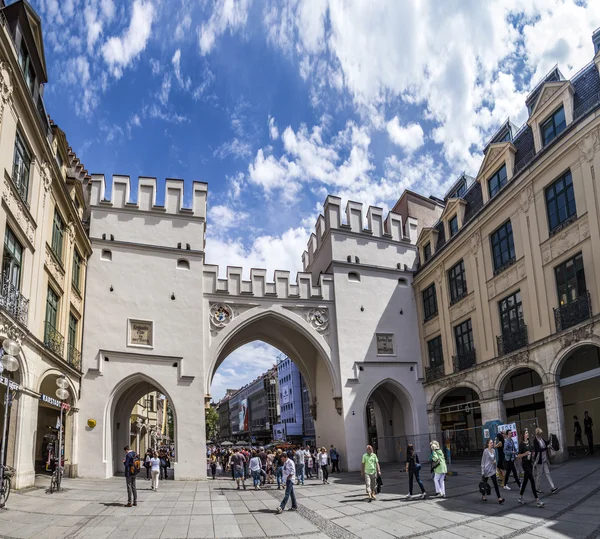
(579, 376)
(460, 421)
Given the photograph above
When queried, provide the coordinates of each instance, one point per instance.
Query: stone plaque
(385, 344)
(141, 333)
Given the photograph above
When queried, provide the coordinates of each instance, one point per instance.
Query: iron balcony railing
(74, 357)
(574, 312)
(20, 179)
(434, 373)
(53, 340)
(464, 360)
(512, 340)
(13, 302)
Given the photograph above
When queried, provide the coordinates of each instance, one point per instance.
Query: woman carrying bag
(413, 467)
(488, 469)
(439, 468)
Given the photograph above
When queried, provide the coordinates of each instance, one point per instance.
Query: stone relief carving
(439, 275)
(525, 198)
(506, 279)
(54, 268)
(77, 302)
(452, 381)
(6, 87)
(220, 315)
(589, 145)
(475, 242)
(515, 359)
(17, 208)
(71, 231)
(46, 180)
(562, 242)
(548, 93)
(318, 318)
(10, 329)
(493, 154)
(462, 308)
(576, 335)
(593, 173)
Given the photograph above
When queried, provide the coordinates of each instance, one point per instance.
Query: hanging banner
(512, 427)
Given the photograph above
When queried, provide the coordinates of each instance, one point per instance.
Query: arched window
(184, 264)
(402, 282)
(106, 254)
(357, 260)
(354, 276)
(349, 258)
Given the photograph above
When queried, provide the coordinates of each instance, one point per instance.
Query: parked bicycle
(9, 472)
(56, 478)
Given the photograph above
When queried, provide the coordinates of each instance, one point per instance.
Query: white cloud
(235, 147)
(225, 217)
(226, 14)
(155, 66)
(183, 27)
(93, 25)
(409, 137)
(176, 61)
(119, 52)
(208, 78)
(108, 9)
(165, 89)
(273, 131)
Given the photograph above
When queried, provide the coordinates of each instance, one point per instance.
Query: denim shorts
(238, 472)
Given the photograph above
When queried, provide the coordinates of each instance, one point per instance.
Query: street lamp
(9, 362)
(62, 394)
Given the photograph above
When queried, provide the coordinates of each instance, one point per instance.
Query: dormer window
(460, 190)
(26, 66)
(427, 251)
(553, 126)
(453, 224)
(497, 181)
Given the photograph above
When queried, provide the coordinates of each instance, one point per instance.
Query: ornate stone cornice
(589, 145)
(506, 279)
(565, 240)
(19, 210)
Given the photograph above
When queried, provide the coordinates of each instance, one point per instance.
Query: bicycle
(9, 472)
(56, 478)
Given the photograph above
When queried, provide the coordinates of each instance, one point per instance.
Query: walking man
(289, 477)
(370, 470)
(299, 464)
(237, 463)
(510, 454)
(334, 456)
(577, 432)
(130, 475)
(587, 427)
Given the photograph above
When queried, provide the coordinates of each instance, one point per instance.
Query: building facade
(508, 284)
(291, 424)
(44, 256)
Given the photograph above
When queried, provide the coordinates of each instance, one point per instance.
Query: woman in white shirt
(323, 461)
(155, 470)
(255, 467)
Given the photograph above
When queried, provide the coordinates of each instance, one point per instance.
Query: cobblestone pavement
(214, 509)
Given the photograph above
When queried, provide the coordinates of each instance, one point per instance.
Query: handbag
(379, 484)
(484, 487)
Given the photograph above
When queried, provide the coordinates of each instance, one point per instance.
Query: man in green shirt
(370, 470)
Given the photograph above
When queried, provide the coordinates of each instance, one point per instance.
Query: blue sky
(277, 103)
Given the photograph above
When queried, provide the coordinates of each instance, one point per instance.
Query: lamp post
(62, 394)
(9, 362)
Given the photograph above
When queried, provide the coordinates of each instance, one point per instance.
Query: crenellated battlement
(259, 286)
(390, 228)
(146, 195)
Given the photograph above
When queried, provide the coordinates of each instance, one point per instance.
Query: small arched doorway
(579, 376)
(523, 396)
(143, 418)
(389, 422)
(48, 429)
(460, 422)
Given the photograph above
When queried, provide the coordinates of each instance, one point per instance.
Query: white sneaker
(521, 500)
(407, 497)
(506, 487)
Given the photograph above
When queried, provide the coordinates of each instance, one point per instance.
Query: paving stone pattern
(215, 509)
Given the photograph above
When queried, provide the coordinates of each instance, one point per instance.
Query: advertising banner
(244, 415)
(508, 427)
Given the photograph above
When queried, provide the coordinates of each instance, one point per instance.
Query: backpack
(134, 469)
(554, 442)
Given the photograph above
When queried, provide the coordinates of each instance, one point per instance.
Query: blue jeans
(256, 478)
(289, 491)
(279, 475)
(414, 474)
(300, 473)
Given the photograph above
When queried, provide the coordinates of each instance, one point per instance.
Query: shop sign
(140, 333)
(385, 344)
(55, 402)
(6, 382)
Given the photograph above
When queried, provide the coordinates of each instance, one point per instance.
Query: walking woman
(527, 460)
(438, 466)
(279, 468)
(147, 464)
(270, 460)
(499, 445)
(413, 467)
(542, 461)
(255, 467)
(213, 465)
(488, 469)
(323, 459)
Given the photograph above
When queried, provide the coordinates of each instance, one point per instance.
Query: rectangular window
(12, 258)
(453, 223)
(497, 181)
(458, 282)
(21, 166)
(58, 232)
(503, 247)
(511, 313)
(436, 355)
(26, 66)
(430, 307)
(427, 251)
(460, 190)
(72, 331)
(554, 126)
(560, 202)
(570, 280)
(463, 333)
(76, 277)
(51, 308)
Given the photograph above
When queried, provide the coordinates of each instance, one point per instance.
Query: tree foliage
(212, 423)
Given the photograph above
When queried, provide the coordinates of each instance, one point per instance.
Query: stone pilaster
(435, 426)
(555, 419)
(492, 409)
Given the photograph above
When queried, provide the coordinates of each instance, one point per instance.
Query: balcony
(572, 313)
(53, 340)
(20, 179)
(434, 373)
(74, 357)
(13, 302)
(510, 341)
(464, 360)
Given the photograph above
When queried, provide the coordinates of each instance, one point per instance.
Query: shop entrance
(523, 396)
